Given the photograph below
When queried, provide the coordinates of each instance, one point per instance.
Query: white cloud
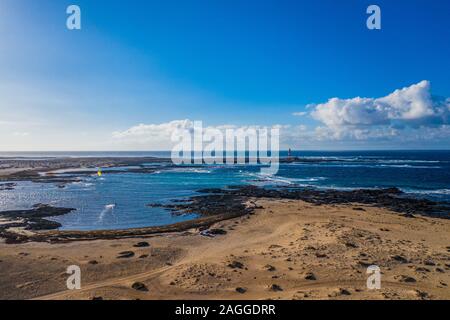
(144, 132)
(158, 136)
(409, 117)
(150, 136)
(374, 118)
(300, 114)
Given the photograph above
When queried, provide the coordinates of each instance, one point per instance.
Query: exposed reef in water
(7, 186)
(29, 220)
(209, 205)
(391, 198)
(46, 169)
(212, 206)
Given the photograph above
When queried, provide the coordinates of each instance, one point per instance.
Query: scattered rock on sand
(429, 262)
(344, 292)
(400, 259)
(270, 268)
(422, 295)
(125, 254)
(142, 244)
(310, 276)
(407, 279)
(236, 265)
(93, 262)
(275, 287)
(139, 286)
(241, 290)
(350, 244)
(422, 269)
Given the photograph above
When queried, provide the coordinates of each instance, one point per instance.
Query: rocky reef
(29, 220)
(391, 198)
(212, 206)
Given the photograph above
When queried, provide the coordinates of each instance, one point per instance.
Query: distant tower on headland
(289, 153)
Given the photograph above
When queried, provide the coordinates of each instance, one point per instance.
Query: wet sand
(287, 249)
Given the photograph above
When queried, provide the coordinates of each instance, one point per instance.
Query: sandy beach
(224, 150)
(287, 249)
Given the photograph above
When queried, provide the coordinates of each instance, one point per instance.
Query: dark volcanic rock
(125, 254)
(270, 268)
(429, 262)
(38, 211)
(236, 265)
(275, 287)
(32, 219)
(422, 269)
(42, 224)
(217, 231)
(310, 276)
(407, 279)
(212, 205)
(350, 244)
(139, 286)
(422, 295)
(142, 244)
(400, 259)
(209, 205)
(344, 292)
(241, 290)
(390, 198)
(7, 186)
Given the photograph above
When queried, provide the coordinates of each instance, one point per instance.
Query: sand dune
(287, 250)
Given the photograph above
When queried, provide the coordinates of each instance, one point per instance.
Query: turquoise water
(116, 201)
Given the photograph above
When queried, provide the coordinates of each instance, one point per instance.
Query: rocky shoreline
(44, 170)
(212, 205)
(391, 198)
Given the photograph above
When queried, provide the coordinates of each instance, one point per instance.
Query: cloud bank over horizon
(407, 118)
(410, 116)
(412, 108)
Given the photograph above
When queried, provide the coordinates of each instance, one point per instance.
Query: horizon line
(282, 150)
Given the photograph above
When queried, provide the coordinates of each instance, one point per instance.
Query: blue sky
(223, 62)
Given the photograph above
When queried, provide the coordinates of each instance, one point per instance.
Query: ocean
(116, 201)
